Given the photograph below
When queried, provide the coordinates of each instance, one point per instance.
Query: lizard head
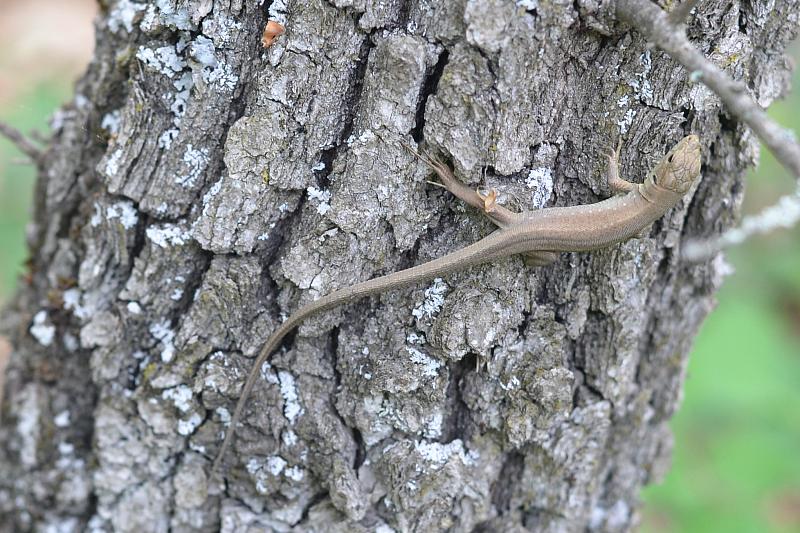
(680, 167)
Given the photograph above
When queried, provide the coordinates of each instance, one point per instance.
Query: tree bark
(199, 188)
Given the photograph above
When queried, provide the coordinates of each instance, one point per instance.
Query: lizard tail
(487, 249)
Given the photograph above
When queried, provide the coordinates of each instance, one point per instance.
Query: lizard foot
(489, 200)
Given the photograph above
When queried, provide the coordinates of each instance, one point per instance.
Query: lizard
(539, 234)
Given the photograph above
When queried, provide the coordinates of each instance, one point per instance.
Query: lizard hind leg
(615, 182)
(499, 215)
(487, 205)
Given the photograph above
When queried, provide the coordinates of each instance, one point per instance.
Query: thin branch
(680, 13)
(658, 27)
(785, 213)
(21, 142)
(654, 24)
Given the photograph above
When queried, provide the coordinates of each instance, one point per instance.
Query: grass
(737, 453)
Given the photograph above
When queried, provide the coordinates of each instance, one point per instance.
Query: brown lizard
(540, 235)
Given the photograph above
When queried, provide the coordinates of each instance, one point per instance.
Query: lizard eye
(669, 159)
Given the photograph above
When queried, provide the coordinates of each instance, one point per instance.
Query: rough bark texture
(199, 188)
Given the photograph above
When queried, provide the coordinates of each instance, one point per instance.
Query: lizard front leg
(619, 185)
(615, 182)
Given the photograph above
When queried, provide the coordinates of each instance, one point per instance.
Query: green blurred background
(736, 465)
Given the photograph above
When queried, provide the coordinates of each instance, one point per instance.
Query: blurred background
(736, 462)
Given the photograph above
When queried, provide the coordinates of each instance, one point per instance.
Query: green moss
(149, 371)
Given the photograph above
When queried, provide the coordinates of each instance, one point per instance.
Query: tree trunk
(199, 188)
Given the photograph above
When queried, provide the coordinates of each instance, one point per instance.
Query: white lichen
(28, 424)
(513, 384)
(433, 426)
(196, 161)
(213, 70)
(181, 397)
(125, 211)
(180, 102)
(625, 122)
(291, 403)
(295, 473)
(187, 427)
(72, 302)
(224, 415)
(430, 366)
(529, 5)
(166, 139)
(41, 330)
(439, 454)
(162, 331)
(164, 59)
(61, 420)
(70, 342)
(123, 14)
(641, 84)
(184, 86)
(65, 448)
(209, 195)
(276, 464)
(268, 375)
(111, 122)
(168, 15)
(322, 196)
(289, 438)
(203, 51)
(277, 11)
(221, 28)
(165, 235)
(434, 299)
(112, 163)
(540, 181)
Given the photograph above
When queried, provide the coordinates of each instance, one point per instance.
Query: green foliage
(17, 175)
(736, 462)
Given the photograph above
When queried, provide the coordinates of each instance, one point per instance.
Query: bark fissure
(429, 87)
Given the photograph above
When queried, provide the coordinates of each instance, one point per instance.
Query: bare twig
(785, 213)
(659, 28)
(21, 142)
(39, 137)
(680, 13)
(21, 161)
(654, 24)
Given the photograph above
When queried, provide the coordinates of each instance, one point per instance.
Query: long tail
(491, 247)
